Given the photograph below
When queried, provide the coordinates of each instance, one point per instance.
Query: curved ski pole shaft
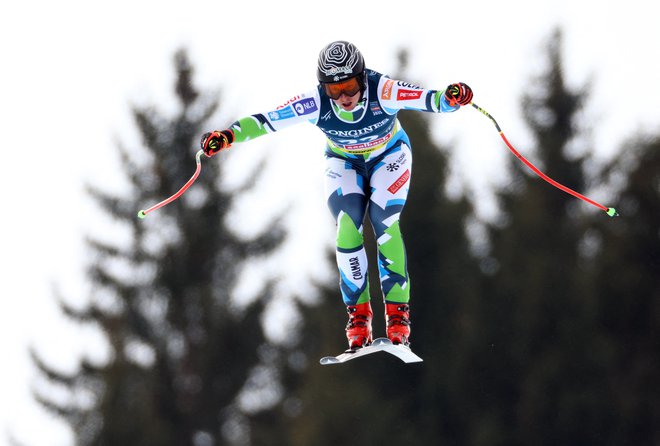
(143, 213)
(610, 211)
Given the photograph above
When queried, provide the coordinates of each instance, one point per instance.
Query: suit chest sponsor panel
(364, 139)
(366, 147)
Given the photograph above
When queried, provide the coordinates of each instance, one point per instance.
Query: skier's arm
(298, 109)
(397, 95)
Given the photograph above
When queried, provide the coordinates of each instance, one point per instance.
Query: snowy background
(71, 69)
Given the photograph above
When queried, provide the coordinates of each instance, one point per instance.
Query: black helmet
(339, 61)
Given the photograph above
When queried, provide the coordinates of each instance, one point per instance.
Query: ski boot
(358, 329)
(397, 317)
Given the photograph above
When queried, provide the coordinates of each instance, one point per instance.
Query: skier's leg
(347, 203)
(390, 182)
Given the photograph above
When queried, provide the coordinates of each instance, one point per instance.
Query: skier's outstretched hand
(458, 94)
(215, 141)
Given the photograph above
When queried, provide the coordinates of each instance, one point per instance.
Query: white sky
(71, 68)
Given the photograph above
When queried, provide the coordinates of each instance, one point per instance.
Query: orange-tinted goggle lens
(348, 87)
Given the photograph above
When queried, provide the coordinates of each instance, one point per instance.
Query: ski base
(378, 345)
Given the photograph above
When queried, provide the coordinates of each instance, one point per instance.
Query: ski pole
(610, 211)
(143, 213)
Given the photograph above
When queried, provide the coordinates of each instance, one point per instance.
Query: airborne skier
(368, 167)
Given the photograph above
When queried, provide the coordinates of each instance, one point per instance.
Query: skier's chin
(347, 103)
(348, 106)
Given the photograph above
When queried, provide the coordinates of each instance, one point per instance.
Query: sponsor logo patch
(407, 85)
(356, 270)
(391, 167)
(295, 98)
(398, 184)
(407, 95)
(282, 113)
(375, 108)
(305, 106)
(366, 147)
(387, 89)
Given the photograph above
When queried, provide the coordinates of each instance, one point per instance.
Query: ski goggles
(349, 87)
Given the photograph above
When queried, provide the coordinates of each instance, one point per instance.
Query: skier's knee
(349, 235)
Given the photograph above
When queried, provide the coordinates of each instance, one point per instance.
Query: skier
(368, 167)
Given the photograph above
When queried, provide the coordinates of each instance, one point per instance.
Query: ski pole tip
(142, 214)
(612, 212)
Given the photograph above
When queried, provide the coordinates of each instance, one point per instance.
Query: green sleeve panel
(250, 127)
(441, 103)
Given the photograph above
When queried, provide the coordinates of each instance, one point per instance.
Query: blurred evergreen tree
(183, 352)
(626, 254)
(535, 379)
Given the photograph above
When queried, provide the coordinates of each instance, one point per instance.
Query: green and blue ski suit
(368, 168)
